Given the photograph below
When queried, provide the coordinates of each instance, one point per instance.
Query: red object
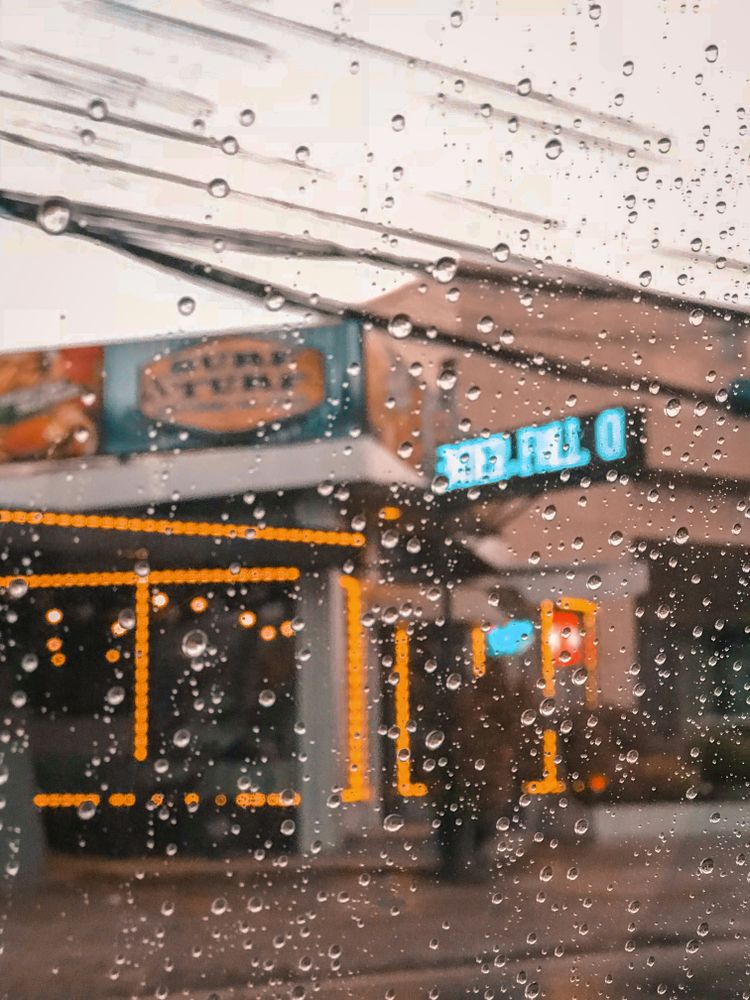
(566, 639)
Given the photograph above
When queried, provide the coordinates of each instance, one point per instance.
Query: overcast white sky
(321, 156)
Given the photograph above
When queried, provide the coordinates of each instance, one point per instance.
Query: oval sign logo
(232, 385)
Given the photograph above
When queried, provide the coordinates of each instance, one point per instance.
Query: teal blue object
(510, 639)
(739, 396)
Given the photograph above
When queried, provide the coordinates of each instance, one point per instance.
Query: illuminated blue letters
(610, 433)
(561, 445)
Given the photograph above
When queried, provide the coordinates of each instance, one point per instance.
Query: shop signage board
(560, 452)
(259, 389)
(49, 403)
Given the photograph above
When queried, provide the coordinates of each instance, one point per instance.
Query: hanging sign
(543, 454)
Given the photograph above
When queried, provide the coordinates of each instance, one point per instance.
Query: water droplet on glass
(581, 826)
(711, 53)
(549, 513)
(545, 874)
(18, 587)
(267, 698)
(580, 676)
(594, 582)
(664, 144)
(528, 717)
(398, 123)
(247, 117)
(523, 87)
(706, 866)
(400, 326)
(194, 643)
(389, 539)
(229, 145)
(446, 379)
(186, 305)
(552, 149)
(393, 823)
(86, 809)
(453, 682)
(672, 407)
(181, 738)
(681, 536)
(302, 154)
(501, 252)
(218, 188)
(126, 618)
(116, 695)
(696, 317)
(219, 906)
(54, 216)
(98, 110)
(445, 270)
(29, 663)
(434, 739)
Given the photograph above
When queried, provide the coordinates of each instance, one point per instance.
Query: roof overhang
(106, 483)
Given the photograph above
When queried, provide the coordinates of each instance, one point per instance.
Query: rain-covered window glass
(374, 559)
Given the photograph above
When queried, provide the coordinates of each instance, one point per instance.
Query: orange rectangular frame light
(587, 609)
(406, 787)
(142, 584)
(550, 783)
(358, 787)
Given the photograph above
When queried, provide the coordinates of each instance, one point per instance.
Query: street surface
(668, 918)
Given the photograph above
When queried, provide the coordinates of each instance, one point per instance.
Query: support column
(321, 707)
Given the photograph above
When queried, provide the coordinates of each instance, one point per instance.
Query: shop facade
(185, 588)
(609, 493)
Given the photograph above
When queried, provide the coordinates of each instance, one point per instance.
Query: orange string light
(146, 526)
(405, 785)
(357, 789)
(140, 715)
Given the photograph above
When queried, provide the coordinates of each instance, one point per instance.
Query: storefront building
(185, 577)
(609, 492)
(243, 569)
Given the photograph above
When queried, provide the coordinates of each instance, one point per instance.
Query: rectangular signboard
(215, 391)
(538, 456)
(49, 403)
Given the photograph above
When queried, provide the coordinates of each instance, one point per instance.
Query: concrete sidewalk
(286, 930)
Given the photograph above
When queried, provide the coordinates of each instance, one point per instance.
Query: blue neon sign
(511, 639)
(583, 443)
